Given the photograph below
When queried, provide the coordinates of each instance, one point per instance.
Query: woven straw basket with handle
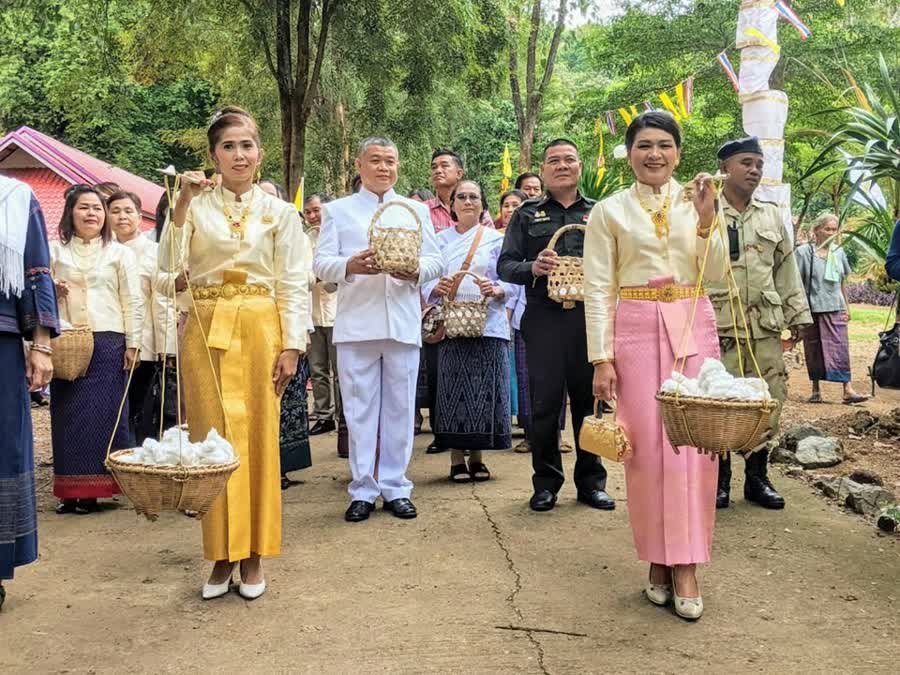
(565, 284)
(397, 249)
(464, 318)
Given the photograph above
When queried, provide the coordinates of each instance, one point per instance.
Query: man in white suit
(377, 332)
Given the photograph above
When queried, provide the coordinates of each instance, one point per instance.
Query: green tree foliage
(134, 81)
(64, 70)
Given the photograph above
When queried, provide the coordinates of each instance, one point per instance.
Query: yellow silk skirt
(244, 335)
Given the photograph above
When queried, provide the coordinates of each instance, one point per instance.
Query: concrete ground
(477, 584)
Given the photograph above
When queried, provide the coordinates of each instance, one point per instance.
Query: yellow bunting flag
(625, 116)
(298, 198)
(633, 111)
(601, 160)
(667, 102)
(506, 169)
(682, 101)
(840, 3)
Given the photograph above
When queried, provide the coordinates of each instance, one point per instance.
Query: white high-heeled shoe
(659, 594)
(251, 591)
(212, 591)
(687, 608)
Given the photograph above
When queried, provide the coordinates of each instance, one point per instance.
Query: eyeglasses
(467, 197)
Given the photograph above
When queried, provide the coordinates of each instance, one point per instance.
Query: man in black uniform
(555, 341)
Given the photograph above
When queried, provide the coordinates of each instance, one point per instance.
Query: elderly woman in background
(509, 202)
(159, 329)
(294, 427)
(27, 311)
(473, 372)
(642, 257)
(98, 285)
(824, 269)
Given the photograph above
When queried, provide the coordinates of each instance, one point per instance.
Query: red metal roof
(56, 165)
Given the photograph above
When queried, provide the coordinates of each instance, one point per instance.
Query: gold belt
(228, 291)
(667, 293)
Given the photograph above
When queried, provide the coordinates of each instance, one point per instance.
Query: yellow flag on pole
(298, 197)
(505, 168)
(601, 160)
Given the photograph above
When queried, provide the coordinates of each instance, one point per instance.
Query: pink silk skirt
(671, 497)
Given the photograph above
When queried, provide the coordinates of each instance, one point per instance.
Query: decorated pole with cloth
(765, 110)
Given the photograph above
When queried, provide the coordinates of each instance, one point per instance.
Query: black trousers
(141, 383)
(430, 354)
(556, 353)
(755, 464)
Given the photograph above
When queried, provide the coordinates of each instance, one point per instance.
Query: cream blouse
(621, 249)
(104, 287)
(270, 252)
(159, 311)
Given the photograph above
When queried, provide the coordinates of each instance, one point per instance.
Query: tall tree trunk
(528, 107)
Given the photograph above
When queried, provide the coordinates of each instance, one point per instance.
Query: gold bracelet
(43, 349)
(600, 362)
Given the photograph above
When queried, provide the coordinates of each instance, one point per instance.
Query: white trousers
(378, 386)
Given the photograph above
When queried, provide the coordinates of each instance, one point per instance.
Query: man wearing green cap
(770, 289)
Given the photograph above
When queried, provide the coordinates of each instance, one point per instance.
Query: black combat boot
(757, 486)
(723, 493)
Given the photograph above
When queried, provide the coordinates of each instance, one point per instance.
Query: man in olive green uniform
(772, 294)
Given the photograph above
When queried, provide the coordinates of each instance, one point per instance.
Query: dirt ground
(477, 584)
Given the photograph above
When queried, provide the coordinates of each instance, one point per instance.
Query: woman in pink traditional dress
(642, 256)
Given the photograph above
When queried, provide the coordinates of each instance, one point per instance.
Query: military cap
(731, 148)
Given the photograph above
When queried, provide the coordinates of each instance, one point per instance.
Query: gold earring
(258, 173)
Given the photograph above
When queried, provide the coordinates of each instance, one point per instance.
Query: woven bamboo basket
(72, 353)
(153, 489)
(397, 249)
(464, 318)
(565, 284)
(715, 425)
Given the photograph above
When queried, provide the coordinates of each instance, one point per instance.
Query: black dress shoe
(322, 427)
(761, 491)
(401, 508)
(542, 500)
(597, 499)
(358, 511)
(723, 499)
(434, 448)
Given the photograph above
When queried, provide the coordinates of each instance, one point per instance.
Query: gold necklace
(659, 217)
(93, 259)
(237, 225)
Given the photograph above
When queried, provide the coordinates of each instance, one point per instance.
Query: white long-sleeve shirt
(159, 310)
(455, 247)
(378, 306)
(104, 287)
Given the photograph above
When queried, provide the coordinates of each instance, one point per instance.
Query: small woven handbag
(565, 284)
(464, 318)
(72, 351)
(604, 438)
(397, 249)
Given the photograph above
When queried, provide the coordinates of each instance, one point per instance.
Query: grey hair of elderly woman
(824, 218)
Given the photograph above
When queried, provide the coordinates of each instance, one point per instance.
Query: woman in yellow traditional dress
(245, 335)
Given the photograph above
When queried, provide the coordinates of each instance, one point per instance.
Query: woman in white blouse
(158, 330)
(97, 284)
(473, 373)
